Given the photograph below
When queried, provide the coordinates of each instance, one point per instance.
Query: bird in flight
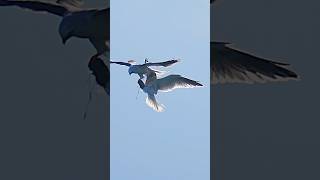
(229, 65)
(153, 85)
(142, 69)
(91, 24)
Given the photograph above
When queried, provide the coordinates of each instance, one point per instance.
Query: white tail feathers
(151, 101)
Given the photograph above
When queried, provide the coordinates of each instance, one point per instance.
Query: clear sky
(173, 144)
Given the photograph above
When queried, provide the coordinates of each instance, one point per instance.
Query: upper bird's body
(142, 69)
(229, 65)
(91, 24)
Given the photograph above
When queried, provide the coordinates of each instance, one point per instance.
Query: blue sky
(173, 144)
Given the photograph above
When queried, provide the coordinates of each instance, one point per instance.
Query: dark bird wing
(52, 8)
(164, 64)
(74, 3)
(120, 63)
(230, 65)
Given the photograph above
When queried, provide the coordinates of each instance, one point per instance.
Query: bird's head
(132, 69)
(66, 30)
(65, 36)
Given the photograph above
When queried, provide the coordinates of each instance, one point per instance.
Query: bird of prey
(231, 65)
(91, 24)
(165, 84)
(101, 73)
(142, 69)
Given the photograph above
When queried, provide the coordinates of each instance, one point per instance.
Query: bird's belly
(150, 89)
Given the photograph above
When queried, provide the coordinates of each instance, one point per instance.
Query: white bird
(229, 65)
(142, 69)
(165, 84)
(91, 24)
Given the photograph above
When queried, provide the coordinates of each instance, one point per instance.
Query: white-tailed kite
(231, 65)
(91, 24)
(165, 84)
(142, 69)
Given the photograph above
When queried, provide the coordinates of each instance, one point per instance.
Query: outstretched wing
(230, 65)
(120, 63)
(164, 64)
(75, 3)
(52, 8)
(152, 102)
(171, 82)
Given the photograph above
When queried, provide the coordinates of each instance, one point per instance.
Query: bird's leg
(141, 84)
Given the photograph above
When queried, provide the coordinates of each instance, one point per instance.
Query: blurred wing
(164, 64)
(152, 102)
(101, 73)
(74, 3)
(171, 82)
(37, 6)
(120, 63)
(230, 65)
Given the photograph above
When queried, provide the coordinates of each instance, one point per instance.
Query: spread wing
(230, 65)
(120, 63)
(164, 64)
(171, 82)
(75, 3)
(52, 8)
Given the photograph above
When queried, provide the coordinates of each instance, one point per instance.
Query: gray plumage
(231, 65)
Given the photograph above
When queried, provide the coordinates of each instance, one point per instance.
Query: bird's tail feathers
(152, 102)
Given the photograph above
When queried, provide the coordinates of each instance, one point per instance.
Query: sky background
(173, 144)
(271, 131)
(44, 91)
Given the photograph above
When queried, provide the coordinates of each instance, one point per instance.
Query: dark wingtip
(199, 84)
